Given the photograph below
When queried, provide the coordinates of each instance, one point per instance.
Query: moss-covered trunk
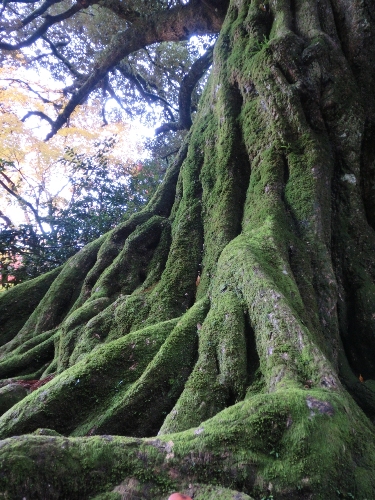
(234, 317)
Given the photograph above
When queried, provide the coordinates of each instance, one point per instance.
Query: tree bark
(234, 317)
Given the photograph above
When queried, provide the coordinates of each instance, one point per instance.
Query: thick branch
(197, 70)
(122, 11)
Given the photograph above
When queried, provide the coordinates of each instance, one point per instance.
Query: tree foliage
(101, 193)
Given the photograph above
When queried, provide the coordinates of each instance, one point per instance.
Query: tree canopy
(114, 50)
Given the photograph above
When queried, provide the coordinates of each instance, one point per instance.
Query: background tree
(234, 315)
(101, 192)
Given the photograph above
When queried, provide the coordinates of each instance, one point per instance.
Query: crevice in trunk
(357, 386)
(368, 171)
(357, 341)
(286, 174)
(231, 398)
(293, 222)
(339, 20)
(253, 361)
(293, 15)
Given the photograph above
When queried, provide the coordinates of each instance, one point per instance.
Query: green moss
(160, 384)
(61, 295)
(220, 374)
(10, 395)
(128, 269)
(279, 442)
(33, 355)
(89, 384)
(18, 303)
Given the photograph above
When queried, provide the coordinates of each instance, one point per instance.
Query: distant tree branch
(8, 222)
(63, 59)
(104, 118)
(28, 87)
(197, 70)
(48, 22)
(161, 67)
(107, 87)
(140, 84)
(5, 2)
(40, 114)
(38, 12)
(20, 199)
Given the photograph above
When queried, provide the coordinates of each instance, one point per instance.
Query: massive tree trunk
(234, 317)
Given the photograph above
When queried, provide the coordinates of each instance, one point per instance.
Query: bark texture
(234, 317)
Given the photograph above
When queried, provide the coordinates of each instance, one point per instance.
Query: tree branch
(197, 70)
(39, 11)
(39, 32)
(108, 88)
(63, 59)
(21, 200)
(5, 2)
(40, 114)
(122, 11)
(140, 83)
(25, 84)
(8, 222)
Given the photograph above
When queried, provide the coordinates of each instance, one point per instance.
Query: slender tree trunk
(234, 317)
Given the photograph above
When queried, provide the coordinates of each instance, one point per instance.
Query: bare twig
(63, 59)
(21, 200)
(28, 87)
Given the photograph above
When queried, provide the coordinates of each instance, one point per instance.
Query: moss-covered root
(140, 409)
(160, 204)
(246, 282)
(129, 269)
(32, 355)
(89, 386)
(220, 375)
(126, 386)
(59, 298)
(17, 304)
(295, 444)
